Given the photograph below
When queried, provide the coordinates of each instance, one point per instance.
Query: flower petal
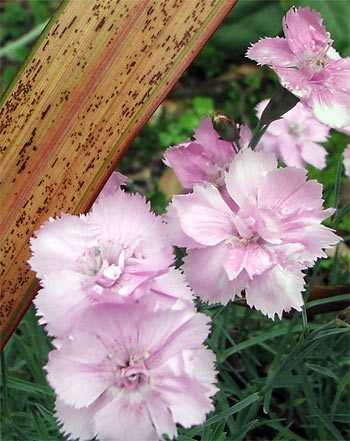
(295, 81)
(276, 290)
(314, 154)
(219, 151)
(113, 184)
(272, 51)
(172, 285)
(126, 417)
(206, 275)
(187, 398)
(77, 423)
(246, 172)
(280, 185)
(68, 371)
(347, 160)
(60, 242)
(204, 216)
(235, 260)
(176, 233)
(62, 301)
(331, 107)
(127, 223)
(314, 238)
(190, 332)
(304, 31)
(159, 411)
(191, 165)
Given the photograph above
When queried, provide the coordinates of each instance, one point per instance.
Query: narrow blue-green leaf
(276, 425)
(184, 438)
(233, 409)
(329, 332)
(300, 351)
(282, 434)
(254, 341)
(323, 371)
(267, 400)
(332, 299)
(327, 423)
(27, 386)
(336, 190)
(241, 432)
(341, 418)
(340, 389)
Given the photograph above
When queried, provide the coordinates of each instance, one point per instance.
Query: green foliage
(177, 132)
(27, 405)
(204, 61)
(279, 380)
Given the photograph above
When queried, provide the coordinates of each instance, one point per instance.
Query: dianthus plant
(130, 360)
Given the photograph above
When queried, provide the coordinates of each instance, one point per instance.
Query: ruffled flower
(205, 159)
(308, 66)
(112, 254)
(263, 244)
(128, 373)
(294, 138)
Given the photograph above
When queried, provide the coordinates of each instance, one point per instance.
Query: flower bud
(225, 127)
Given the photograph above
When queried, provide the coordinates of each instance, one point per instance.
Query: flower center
(110, 273)
(132, 375)
(90, 261)
(296, 130)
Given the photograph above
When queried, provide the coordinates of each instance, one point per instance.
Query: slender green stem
(4, 384)
(310, 284)
(337, 184)
(258, 133)
(234, 147)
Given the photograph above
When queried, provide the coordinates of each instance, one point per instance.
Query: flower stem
(4, 384)
(258, 133)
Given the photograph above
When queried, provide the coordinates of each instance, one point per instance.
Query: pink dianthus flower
(308, 66)
(205, 159)
(128, 373)
(294, 138)
(112, 254)
(261, 246)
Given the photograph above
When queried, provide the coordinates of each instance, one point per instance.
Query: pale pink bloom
(345, 130)
(262, 245)
(113, 184)
(205, 159)
(294, 138)
(308, 66)
(111, 254)
(347, 160)
(128, 373)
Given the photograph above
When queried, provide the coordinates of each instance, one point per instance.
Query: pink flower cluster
(256, 232)
(309, 67)
(295, 137)
(129, 361)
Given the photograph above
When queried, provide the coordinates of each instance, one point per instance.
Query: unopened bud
(225, 127)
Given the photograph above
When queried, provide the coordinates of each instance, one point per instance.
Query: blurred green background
(306, 359)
